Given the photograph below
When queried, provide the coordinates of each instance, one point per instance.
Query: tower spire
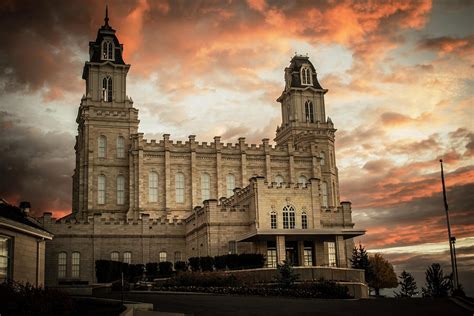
(106, 19)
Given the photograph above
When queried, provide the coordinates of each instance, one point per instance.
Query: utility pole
(451, 239)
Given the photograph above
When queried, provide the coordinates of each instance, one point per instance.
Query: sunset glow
(399, 75)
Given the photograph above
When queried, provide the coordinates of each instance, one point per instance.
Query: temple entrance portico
(317, 248)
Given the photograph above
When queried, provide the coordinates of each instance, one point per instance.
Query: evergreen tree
(286, 275)
(381, 274)
(360, 260)
(437, 284)
(407, 285)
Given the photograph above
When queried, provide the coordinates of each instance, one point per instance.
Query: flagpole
(450, 239)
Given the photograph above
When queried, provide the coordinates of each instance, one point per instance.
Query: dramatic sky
(399, 74)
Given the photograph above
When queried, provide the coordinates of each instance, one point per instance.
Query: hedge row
(321, 289)
(108, 271)
(231, 262)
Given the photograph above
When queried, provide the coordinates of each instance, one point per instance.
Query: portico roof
(300, 234)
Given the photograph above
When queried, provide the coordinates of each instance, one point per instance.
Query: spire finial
(106, 15)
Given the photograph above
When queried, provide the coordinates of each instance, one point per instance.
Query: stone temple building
(137, 200)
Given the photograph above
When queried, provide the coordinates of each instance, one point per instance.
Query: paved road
(195, 304)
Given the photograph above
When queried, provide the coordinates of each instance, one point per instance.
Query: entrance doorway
(292, 252)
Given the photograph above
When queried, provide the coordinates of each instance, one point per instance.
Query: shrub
(220, 262)
(165, 268)
(108, 271)
(117, 285)
(213, 279)
(286, 275)
(207, 263)
(195, 264)
(181, 266)
(329, 289)
(251, 260)
(135, 272)
(19, 299)
(151, 269)
(232, 261)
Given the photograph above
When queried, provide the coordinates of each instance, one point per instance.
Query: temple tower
(106, 119)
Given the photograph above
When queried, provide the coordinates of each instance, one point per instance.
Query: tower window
(120, 190)
(101, 190)
(102, 146)
(120, 147)
(306, 78)
(152, 187)
(288, 217)
(230, 185)
(322, 155)
(309, 111)
(324, 193)
(107, 50)
(205, 186)
(179, 185)
(107, 89)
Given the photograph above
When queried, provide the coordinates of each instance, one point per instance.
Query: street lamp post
(451, 239)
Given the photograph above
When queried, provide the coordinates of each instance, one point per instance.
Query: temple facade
(137, 200)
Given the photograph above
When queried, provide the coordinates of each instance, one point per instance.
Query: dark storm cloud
(447, 44)
(35, 166)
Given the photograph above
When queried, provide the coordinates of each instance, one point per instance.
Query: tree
(381, 274)
(437, 284)
(360, 260)
(286, 275)
(407, 285)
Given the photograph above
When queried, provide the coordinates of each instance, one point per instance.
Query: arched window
(102, 146)
(76, 264)
(273, 220)
(114, 256)
(205, 186)
(334, 194)
(230, 185)
(177, 256)
(120, 147)
(304, 221)
(127, 257)
(120, 190)
(303, 181)
(306, 78)
(107, 89)
(279, 180)
(324, 193)
(152, 187)
(288, 217)
(62, 263)
(179, 185)
(101, 189)
(163, 256)
(309, 111)
(322, 155)
(107, 50)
